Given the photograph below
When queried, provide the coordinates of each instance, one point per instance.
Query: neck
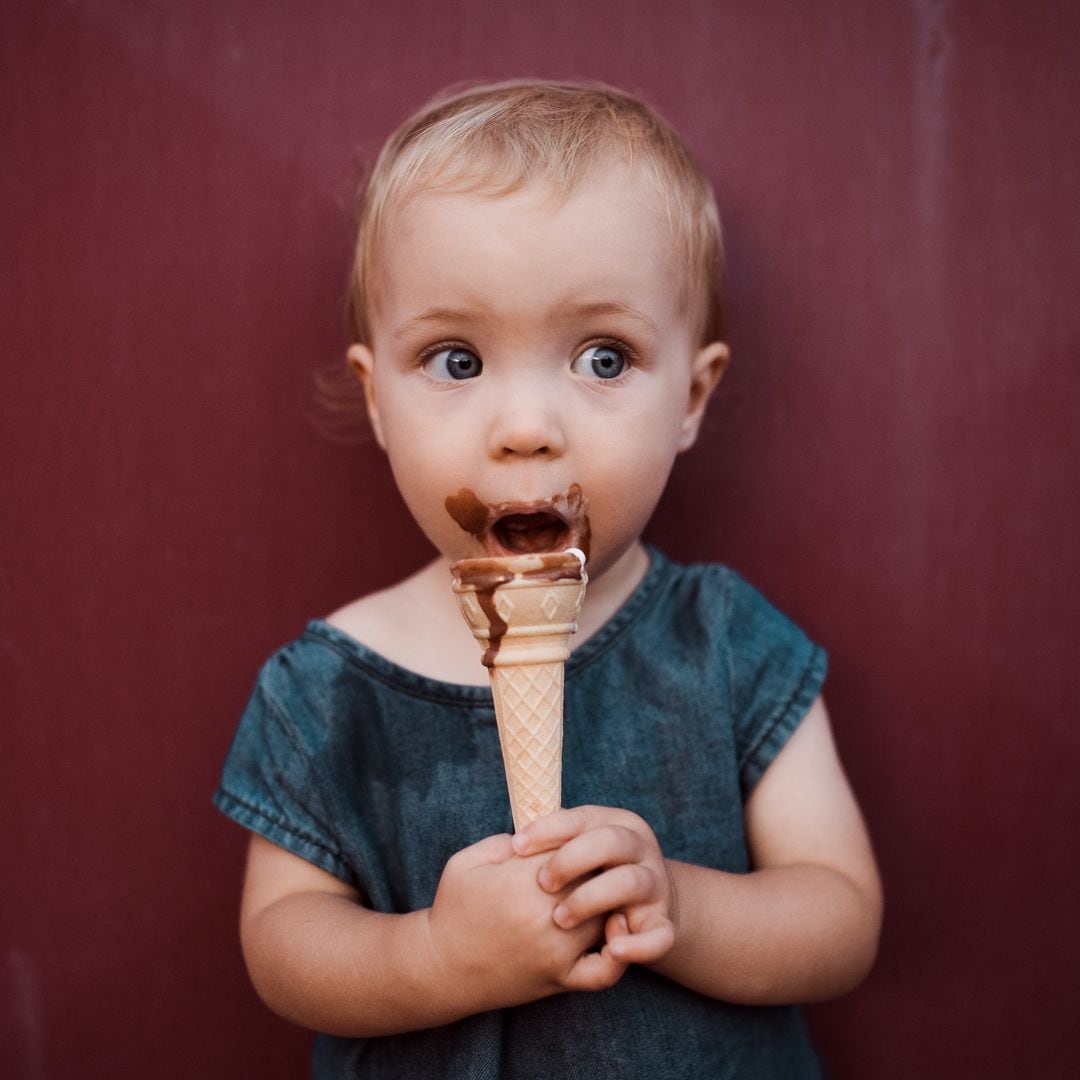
(609, 590)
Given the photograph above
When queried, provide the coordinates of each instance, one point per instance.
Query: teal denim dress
(674, 710)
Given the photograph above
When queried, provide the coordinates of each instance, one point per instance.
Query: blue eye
(453, 364)
(601, 361)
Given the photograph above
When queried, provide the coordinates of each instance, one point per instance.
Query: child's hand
(609, 865)
(494, 939)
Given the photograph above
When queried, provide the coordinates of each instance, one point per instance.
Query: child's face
(525, 351)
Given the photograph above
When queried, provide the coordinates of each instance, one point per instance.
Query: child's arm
(318, 957)
(803, 926)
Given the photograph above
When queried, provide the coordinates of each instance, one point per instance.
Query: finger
(645, 947)
(595, 971)
(551, 831)
(555, 829)
(620, 887)
(492, 849)
(616, 926)
(600, 847)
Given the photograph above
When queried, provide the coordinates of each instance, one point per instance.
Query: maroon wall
(892, 460)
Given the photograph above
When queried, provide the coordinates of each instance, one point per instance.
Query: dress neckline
(389, 671)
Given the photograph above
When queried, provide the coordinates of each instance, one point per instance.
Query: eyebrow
(436, 314)
(590, 310)
(607, 307)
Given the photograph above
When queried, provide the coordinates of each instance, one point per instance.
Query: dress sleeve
(270, 783)
(775, 673)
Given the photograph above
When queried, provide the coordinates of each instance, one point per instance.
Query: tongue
(526, 534)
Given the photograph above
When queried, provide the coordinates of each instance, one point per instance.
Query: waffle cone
(523, 611)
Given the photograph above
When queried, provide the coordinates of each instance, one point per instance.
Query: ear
(706, 371)
(362, 361)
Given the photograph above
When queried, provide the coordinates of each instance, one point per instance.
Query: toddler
(538, 329)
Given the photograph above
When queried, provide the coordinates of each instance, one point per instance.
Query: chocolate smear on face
(469, 512)
(575, 511)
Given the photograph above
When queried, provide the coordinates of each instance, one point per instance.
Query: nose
(527, 423)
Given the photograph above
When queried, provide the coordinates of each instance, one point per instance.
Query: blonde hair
(501, 136)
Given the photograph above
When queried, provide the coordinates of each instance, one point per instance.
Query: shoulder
(332, 669)
(311, 654)
(369, 618)
(716, 598)
(677, 622)
(712, 610)
(298, 689)
(694, 601)
(383, 621)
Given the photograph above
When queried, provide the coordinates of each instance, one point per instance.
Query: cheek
(625, 492)
(429, 464)
(416, 440)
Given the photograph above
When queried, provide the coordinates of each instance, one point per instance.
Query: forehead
(608, 240)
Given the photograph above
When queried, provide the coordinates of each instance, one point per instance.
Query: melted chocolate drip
(485, 597)
(486, 576)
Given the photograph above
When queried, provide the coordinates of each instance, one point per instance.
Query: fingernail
(561, 915)
(543, 878)
(519, 843)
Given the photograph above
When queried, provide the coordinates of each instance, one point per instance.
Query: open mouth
(527, 534)
(524, 528)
